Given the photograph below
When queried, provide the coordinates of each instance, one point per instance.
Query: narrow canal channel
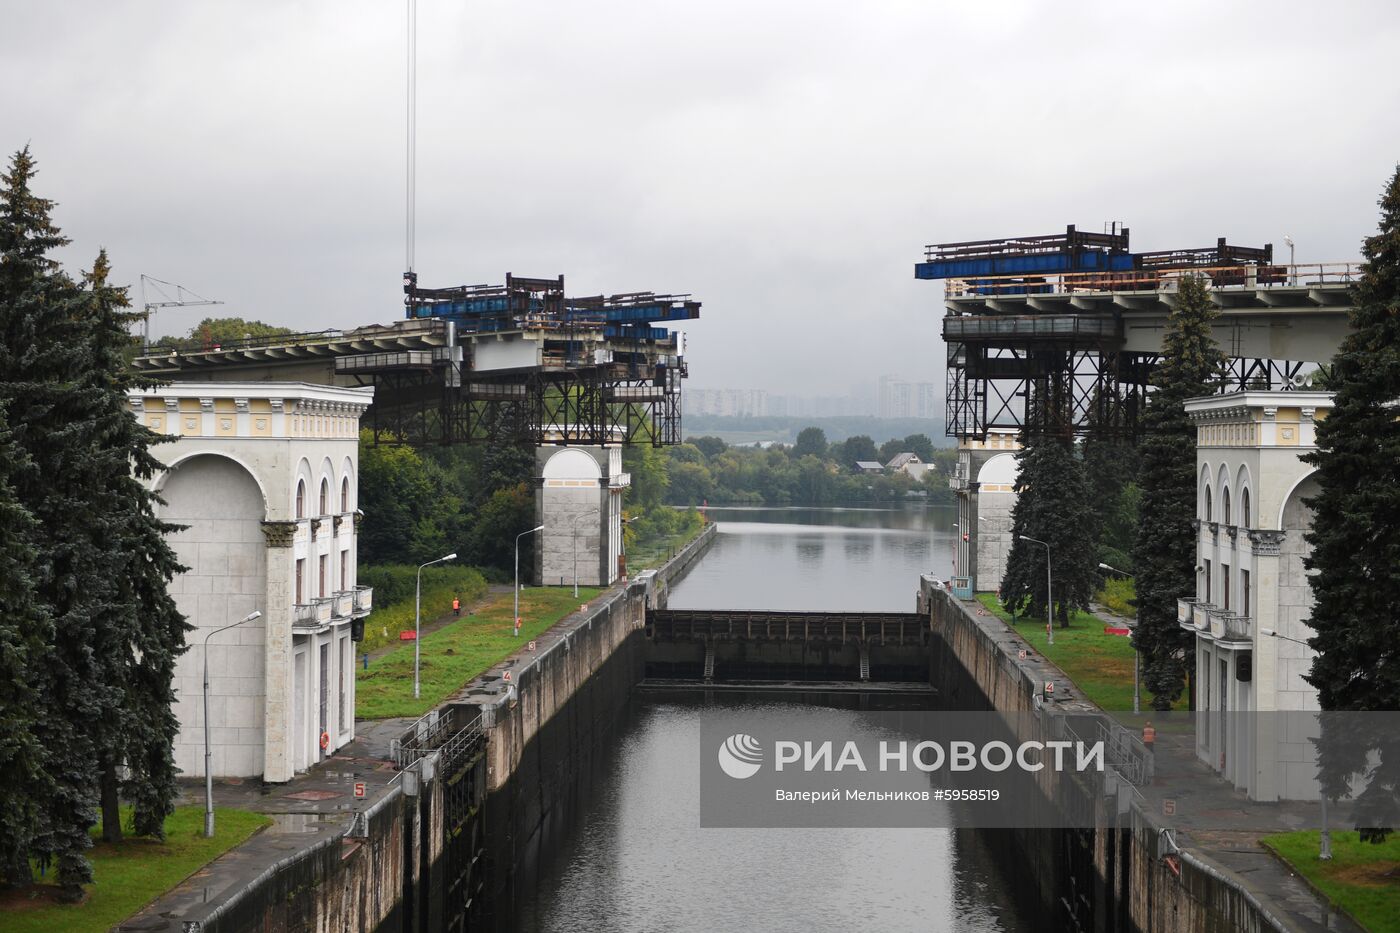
(636, 860)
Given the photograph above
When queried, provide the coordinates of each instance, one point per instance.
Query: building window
(1244, 507)
(345, 570)
(301, 498)
(301, 578)
(345, 494)
(1207, 501)
(1244, 592)
(325, 497)
(1225, 505)
(325, 566)
(1207, 566)
(343, 720)
(1225, 586)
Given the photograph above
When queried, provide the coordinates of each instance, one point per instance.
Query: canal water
(639, 861)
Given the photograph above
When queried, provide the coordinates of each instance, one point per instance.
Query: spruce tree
(43, 352)
(143, 628)
(1164, 553)
(25, 635)
(1355, 537)
(101, 561)
(1053, 506)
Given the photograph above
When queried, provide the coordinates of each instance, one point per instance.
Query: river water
(638, 859)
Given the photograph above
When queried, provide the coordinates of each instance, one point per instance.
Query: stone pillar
(278, 762)
(1267, 548)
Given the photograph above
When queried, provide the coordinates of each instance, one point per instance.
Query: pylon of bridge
(578, 500)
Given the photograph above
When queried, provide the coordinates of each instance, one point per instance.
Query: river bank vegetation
(809, 472)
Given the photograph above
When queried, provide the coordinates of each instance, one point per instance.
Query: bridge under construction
(1062, 332)
(520, 364)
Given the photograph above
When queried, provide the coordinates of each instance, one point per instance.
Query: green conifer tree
(1164, 553)
(143, 628)
(43, 350)
(101, 561)
(1053, 505)
(1355, 537)
(25, 635)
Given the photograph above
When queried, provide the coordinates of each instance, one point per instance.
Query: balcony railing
(312, 615)
(364, 600)
(1232, 628)
(1200, 615)
(341, 604)
(1184, 611)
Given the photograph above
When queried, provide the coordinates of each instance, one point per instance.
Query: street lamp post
(1137, 655)
(517, 574)
(208, 754)
(575, 543)
(1049, 600)
(417, 612)
(1324, 847)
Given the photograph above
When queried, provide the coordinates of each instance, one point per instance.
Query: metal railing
(314, 614)
(433, 733)
(1272, 276)
(1124, 750)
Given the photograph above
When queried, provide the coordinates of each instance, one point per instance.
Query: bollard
(366, 660)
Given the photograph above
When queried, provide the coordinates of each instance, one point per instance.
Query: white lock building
(265, 478)
(1252, 516)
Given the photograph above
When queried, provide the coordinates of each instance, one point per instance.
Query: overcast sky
(783, 162)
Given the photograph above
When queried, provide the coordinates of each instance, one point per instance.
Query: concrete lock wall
(1113, 877)
(447, 855)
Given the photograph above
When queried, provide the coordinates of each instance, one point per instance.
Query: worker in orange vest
(1149, 736)
(456, 606)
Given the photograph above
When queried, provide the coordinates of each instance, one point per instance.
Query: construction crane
(182, 298)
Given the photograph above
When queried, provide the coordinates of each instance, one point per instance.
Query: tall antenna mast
(411, 194)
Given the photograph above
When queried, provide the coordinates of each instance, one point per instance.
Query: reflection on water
(638, 859)
(851, 559)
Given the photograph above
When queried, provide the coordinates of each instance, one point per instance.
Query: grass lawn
(130, 874)
(1362, 879)
(456, 653)
(1101, 665)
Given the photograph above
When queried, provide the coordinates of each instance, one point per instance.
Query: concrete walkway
(312, 809)
(1222, 823)
(1215, 820)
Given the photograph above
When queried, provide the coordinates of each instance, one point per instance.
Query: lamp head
(255, 614)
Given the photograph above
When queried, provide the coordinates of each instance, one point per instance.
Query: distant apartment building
(899, 398)
(731, 402)
(1252, 518)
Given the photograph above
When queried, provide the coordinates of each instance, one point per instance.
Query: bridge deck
(875, 628)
